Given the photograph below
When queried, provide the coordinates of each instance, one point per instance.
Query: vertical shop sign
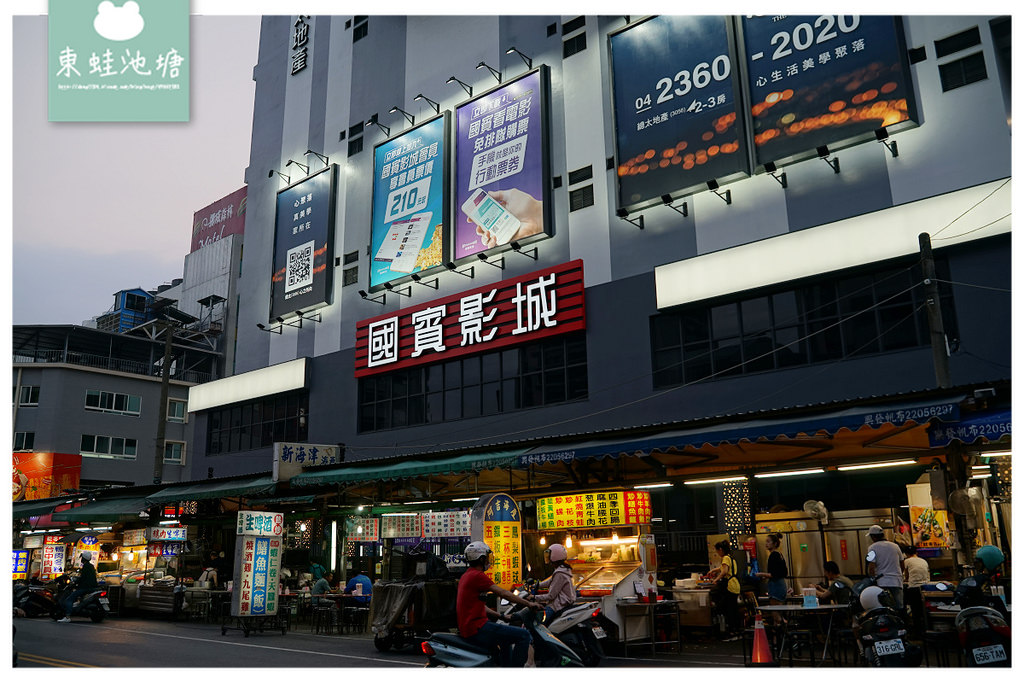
(501, 166)
(495, 520)
(21, 564)
(300, 44)
(258, 548)
(53, 560)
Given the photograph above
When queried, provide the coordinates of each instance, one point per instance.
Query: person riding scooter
(561, 592)
(515, 644)
(86, 584)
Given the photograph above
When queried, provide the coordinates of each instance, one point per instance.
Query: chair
(325, 618)
(353, 619)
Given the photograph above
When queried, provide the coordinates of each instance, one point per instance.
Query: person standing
(918, 574)
(885, 563)
(86, 584)
(777, 570)
(727, 589)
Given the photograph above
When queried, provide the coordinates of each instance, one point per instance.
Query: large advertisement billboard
(823, 80)
(501, 166)
(410, 202)
(303, 249)
(676, 98)
(45, 475)
(224, 217)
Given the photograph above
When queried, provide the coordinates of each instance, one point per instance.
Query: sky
(101, 207)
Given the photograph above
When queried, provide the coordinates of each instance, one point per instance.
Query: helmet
(990, 556)
(475, 550)
(869, 598)
(87, 555)
(557, 552)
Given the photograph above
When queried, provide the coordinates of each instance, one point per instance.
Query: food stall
(146, 563)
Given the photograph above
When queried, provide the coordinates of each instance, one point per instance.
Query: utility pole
(940, 350)
(161, 425)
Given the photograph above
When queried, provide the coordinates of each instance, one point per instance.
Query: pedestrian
(727, 589)
(918, 574)
(885, 563)
(86, 584)
(777, 570)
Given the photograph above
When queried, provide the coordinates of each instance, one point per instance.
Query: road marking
(264, 647)
(677, 662)
(50, 661)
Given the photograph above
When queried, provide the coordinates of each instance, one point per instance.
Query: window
(177, 410)
(581, 198)
(110, 402)
(862, 312)
(114, 447)
(135, 302)
(24, 441)
(355, 146)
(544, 373)
(573, 25)
(258, 423)
(581, 174)
(360, 31)
(174, 452)
(574, 45)
(27, 397)
(961, 72)
(958, 42)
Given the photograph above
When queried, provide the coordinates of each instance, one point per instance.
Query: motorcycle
(34, 600)
(93, 604)
(880, 628)
(450, 650)
(578, 627)
(982, 624)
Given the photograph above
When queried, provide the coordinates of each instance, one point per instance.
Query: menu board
(256, 578)
(454, 523)
(496, 521)
(362, 529)
(582, 510)
(53, 560)
(21, 564)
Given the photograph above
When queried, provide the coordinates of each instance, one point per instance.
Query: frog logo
(118, 23)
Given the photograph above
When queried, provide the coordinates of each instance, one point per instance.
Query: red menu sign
(523, 309)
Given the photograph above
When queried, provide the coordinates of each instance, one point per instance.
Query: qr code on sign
(299, 271)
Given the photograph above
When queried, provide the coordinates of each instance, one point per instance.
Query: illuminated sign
(53, 560)
(164, 533)
(252, 523)
(410, 202)
(675, 103)
(453, 523)
(258, 563)
(820, 80)
(21, 564)
(401, 526)
(582, 510)
(134, 537)
(537, 305)
(931, 527)
(495, 520)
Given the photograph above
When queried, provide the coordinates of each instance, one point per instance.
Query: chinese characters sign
(453, 523)
(821, 80)
(164, 533)
(300, 44)
(124, 61)
(401, 526)
(612, 508)
(410, 199)
(931, 527)
(495, 520)
(501, 153)
(363, 529)
(256, 576)
(303, 252)
(676, 95)
(252, 523)
(53, 560)
(134, 537)
(291, 458)
(224, 217)
(21, 564)
(536, 305)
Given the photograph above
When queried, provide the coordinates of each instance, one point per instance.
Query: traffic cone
(761, 654)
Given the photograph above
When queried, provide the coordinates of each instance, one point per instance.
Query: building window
(544, 373)
(115, 447)
(573, 45)
(174, 452)
(111, 402)
(360, 31)
(258, 424)
(961, 72)
(177, 410)
(27, 396)
(355, 146)
(957, 42)
(581, 198)
(24, 441)
(862, 312)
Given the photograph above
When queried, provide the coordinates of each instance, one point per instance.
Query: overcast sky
(100, 207)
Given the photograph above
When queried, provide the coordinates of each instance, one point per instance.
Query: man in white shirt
(918, 574)
(885, 561)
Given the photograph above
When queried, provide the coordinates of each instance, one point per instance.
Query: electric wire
(968, 284)
(981, 227)
(976, 205)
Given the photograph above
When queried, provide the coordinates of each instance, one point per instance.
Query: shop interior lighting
(682, 209)
(334, 544)
(398, 290)
(321, 157)
(499, 264)
(302, 527)
(83, 528)
(724, 196)
(399, 514)
(996, 454)
(790, 473)
(872, 465)
(662, 485)
(372, 121)
(436, 107)
(168, 522)
(418, 279)
(113, 557)
(396, 109)
(697, 482)
(526, 60)
(102, 528)
(494, 72)
(467, 88)
(518, 248)
(460, 500)
(980, 476)
(382, 299)
(287, 178)
(568, 541)
(824, 153)
(304, 167)
(882, 135)
(543, 540)
(421, 502)
(609, 541)
(468, 272)
(624, 215)
(772, 170)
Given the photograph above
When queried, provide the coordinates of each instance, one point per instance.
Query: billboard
(675, 101)
(501, 166)
(224, 217)
(303, 249)
(44, 475)
(823, 80)
(410, 202)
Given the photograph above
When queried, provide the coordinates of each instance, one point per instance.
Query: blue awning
(989, 426)
(918, 412)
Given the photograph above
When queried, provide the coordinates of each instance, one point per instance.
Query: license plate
(104, 601)
(889, 647)
(989, 654)
(599, 632)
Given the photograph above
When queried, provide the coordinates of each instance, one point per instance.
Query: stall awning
(34, 508)
(991, 426)
(396, 468)
(104, 510)
(222, 488)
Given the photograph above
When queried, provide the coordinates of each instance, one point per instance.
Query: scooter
(94, 605)
(35, 601)
(881, 629)
(578, 627)
(450, 650)
(982, 624)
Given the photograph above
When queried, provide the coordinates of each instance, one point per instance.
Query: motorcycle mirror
(941, 586)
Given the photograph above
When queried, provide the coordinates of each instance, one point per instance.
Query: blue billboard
(676, 98)
(823, 80)
(410, 202)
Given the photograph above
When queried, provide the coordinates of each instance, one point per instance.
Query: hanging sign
(252, 523)
(163, 533)
(931, 527)
(496, 521)
(291, 458)
(362, 529)
(601, 508)
(21, 564)
(401, 526)
(454, 523)
(53, 560)
(134, 537)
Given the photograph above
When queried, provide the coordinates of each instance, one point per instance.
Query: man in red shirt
(515, 644)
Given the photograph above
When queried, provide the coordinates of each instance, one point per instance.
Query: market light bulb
(302, 527)
(615, 537)
(543, 540)
(113, 557)
(568, 541)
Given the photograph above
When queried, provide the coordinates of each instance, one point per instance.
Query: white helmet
(87, 555)
(557, 552)
(869, 597)
(475, 550)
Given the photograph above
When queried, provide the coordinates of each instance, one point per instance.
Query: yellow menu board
(502, 527)
(605, 508)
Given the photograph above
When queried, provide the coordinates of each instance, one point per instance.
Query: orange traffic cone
(762, 652)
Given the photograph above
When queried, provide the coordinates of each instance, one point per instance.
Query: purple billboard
(501, 166)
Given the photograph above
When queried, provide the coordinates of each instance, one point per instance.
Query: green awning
(104, 510)
(222, 488)
(395, 468)
(34, 508)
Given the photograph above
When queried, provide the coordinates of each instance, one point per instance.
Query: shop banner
(256, 577)
(33, 542)
(161, 549)
(252, 523)
(21, 564)
(224, 217)
(164, 533)
(988, 426)
(53, 561)
(824, 80)
(454, 523)
(45, 475)
(582, 510)
(303, 247)
(410, 202)
(362, 529)
(291, 458)
(401, 526)
(501, 166)
(496, 521)
(676, 101)
(931, 527)
(134, 537)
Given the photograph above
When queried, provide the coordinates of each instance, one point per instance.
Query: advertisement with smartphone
(501, 176)
(409, 190)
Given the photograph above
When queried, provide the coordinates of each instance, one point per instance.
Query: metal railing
(107, 363)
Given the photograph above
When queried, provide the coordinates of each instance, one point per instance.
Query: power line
(968, 284)
(982, 227)
(983, 199)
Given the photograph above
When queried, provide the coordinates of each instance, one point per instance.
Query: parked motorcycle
(34, 600)
(881, 629)
(94, 604)
(982, 624)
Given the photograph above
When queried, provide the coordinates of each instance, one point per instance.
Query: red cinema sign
(511, 312)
